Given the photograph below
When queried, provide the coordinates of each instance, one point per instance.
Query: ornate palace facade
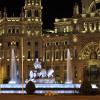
(81, 34)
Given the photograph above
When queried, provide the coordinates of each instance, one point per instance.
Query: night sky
(51, 9)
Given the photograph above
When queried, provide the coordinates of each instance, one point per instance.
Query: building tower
(33, 14)
(76, 10)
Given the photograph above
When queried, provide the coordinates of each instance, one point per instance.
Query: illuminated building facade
(81, 34)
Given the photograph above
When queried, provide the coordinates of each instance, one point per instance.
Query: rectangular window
(13, 31)
(48, 55)
(36, 54)
(65, 54)
(29, 54)
(9, 30)
(57, 54)
(17, 30)
(28, 43)
(17, 44)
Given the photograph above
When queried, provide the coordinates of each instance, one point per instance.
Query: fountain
(13, 69)
(42, 78)
(69, 68)
(41, 75)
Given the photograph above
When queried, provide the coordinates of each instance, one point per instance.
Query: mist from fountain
(13, 68)
(69, 68)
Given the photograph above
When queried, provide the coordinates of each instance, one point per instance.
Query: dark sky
(51, 9)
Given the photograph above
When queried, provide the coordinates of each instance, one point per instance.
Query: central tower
(32, 14)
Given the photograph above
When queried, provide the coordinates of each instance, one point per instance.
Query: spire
(5, 13)
(0, 14)
(76, 9)
(13, 15)
(25, 2)
(22, 13)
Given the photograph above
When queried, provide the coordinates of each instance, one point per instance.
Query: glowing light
(75, 39)
(36, 19)
(57, 20)
(80, 81)
(64, 19)
(92, 14)
(56, 30)
(28, 59)
(0, 44)
(29, 19)
(8, 59)
(75, 21)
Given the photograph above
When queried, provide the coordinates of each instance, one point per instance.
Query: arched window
(29, 54)
(13, 30)
(93, 55)
(36, 13)
(29, 13)
(9, 30)
(36, 53)
(17, 44)
(29, 43)
(17, 30)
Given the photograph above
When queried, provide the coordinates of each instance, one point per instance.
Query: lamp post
(22, 66)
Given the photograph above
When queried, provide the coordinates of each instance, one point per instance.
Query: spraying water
(13, 68)
(69, 68)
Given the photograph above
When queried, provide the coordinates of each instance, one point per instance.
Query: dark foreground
(39, 97)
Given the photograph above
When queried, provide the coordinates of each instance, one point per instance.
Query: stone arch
(90, 51)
